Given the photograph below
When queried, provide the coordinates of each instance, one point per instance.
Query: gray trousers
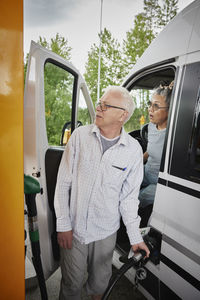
(95, 259)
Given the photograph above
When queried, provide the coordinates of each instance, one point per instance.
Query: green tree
(112, 67)
(58, 45)
(167, 12)
(146, 27)
(137, 40)
(151, 15)
(58, 87)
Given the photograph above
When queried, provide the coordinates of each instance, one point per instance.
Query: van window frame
(180, 158)
(74, 91)
(162, 163)
(154, 69)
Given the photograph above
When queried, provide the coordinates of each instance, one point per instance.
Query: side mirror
(66, 132)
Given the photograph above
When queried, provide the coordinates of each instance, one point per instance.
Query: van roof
(179, 37)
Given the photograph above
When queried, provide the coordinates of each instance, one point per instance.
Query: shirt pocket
(114, 174)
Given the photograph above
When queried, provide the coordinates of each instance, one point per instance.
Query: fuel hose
(31, 188)
(130, 262)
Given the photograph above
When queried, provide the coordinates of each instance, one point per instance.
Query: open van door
(56, 101)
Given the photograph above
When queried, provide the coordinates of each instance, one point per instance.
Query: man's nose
(98, 107)
(150, 108)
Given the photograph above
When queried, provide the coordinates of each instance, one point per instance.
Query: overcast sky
(79, 21)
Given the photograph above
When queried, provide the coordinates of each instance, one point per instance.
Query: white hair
(128, 104)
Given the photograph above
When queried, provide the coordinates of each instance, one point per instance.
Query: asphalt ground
(123, 290)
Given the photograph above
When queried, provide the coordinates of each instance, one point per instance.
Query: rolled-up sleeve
(129, 199)
(63, 186)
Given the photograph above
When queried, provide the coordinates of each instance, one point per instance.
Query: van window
(194, 147)
(185, 162)
(141, 97)
(58, 90)
(83, 112)
(141, 91)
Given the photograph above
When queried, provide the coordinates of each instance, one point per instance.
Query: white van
(173, 272)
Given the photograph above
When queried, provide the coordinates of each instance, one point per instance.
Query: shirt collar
(123, 137)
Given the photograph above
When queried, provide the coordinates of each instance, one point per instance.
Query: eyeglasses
(155, 106)
(105, 106)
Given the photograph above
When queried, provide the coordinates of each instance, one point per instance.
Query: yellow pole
(11, 151)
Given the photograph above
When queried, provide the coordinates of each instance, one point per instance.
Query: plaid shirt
(93, 189)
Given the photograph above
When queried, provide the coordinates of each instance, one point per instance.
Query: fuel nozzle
(137, 256)
(135, 260)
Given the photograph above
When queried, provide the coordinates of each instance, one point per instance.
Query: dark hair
(164, 89)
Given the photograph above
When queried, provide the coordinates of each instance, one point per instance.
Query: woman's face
(158, 111)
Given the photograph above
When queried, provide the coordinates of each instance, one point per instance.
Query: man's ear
(124, 116)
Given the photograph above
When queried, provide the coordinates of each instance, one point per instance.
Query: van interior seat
(141, 135)
(52, 162)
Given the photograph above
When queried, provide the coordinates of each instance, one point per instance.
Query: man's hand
(141, 246)
(65, 239)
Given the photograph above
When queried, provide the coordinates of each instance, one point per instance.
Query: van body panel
(180, 227)
(182, 258)
(180, 287)
(195, 37)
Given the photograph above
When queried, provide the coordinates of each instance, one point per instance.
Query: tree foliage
(137, 40)
(167, 11)
(112, 68)
(58, 87)
(151, 15)
(57, 45)
(146, 27)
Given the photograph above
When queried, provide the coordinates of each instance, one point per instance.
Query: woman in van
(158, 116)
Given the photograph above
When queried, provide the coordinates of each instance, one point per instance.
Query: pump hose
(31, 188)
(130, 263)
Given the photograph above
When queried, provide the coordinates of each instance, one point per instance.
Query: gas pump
(31, 188)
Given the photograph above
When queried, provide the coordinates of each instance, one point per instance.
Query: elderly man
(98, 181)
